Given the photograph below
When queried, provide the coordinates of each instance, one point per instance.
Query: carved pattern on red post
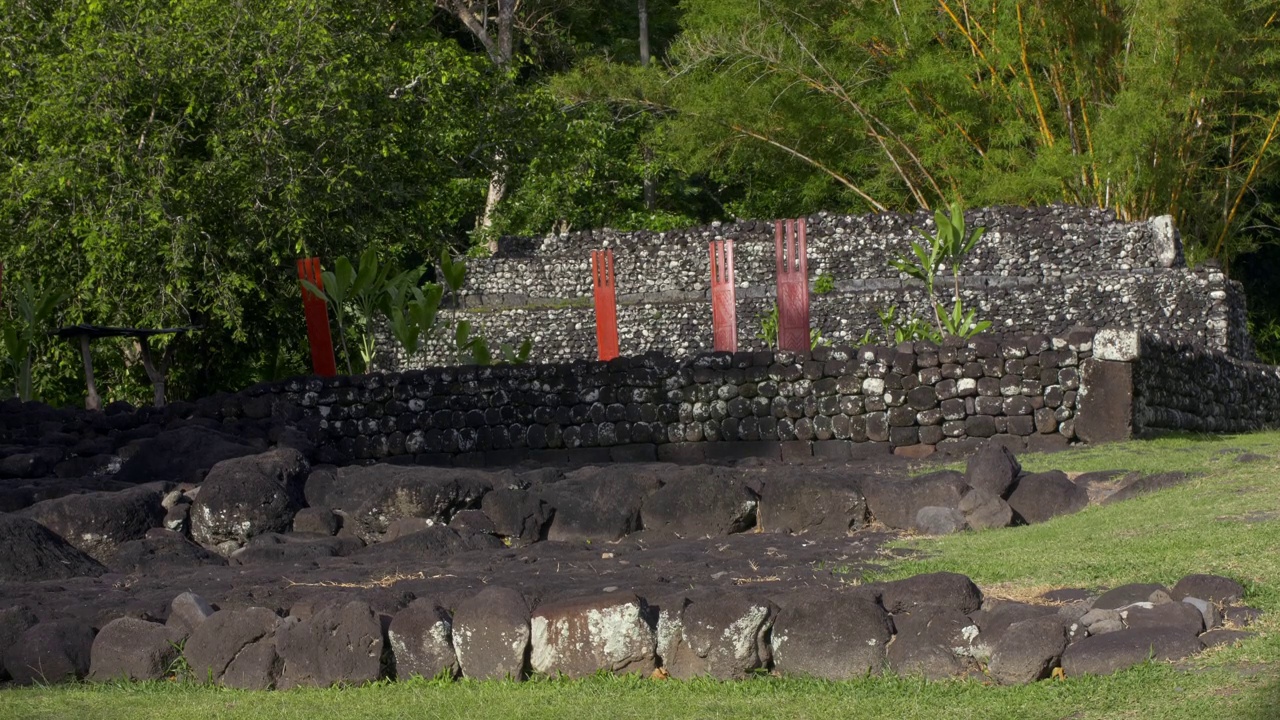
(604, 283)
(322, 361)
(791, 253)
(724, 310)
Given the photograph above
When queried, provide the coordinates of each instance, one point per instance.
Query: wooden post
(93, 401)
(604, 284)
(724, 307)
(793, 286)
(317, 313)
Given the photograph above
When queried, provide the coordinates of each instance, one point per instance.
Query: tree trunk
(650, 191)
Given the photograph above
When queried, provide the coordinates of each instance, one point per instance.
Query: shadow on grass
(1265, 704)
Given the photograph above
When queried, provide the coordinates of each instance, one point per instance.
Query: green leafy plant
(769, 328)
(32, 312)
(947, 247)
(359, 295)
(769, 331)
(824, 284)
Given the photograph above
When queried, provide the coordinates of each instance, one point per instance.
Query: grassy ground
(1225, 521)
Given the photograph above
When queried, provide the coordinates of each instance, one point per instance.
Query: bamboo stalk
(1226, 226)
(1022, 42)
(796, 153)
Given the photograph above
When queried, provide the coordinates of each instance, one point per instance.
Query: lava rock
(372, 497)
(218, 640)
(50, 652)
(931, 642)
(97, 523)
(833, 636)
(725, 637)
(249, 496)
(1117, 598)
(131, 649)
(985, 510)
(421, 639)
(519, 515)
(31, 552)
(895, 502)
(182, 455)
(579, 637)
(940, 590)
(1213, 588)
(698, 506)
(491, 635)
(187, 611)
(1041, 496)
(1112, 652)
(821, 504)
(161, 552)
(939, 521)
(1028, 651)
(993, 468)
(317, 521)
(339, 644)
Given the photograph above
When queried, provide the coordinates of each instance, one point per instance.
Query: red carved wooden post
(793, 286)
(605, 285)
(724, 307)
(317, 319)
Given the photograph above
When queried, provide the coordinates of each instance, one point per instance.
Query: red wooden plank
(724, 308)
(791, 254)
(604, 283)
(322, 360)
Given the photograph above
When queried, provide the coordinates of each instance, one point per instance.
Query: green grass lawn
(1225, 521)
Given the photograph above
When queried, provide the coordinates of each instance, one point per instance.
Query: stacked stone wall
(912, 398)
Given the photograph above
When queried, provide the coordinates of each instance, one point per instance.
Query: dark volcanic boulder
(804, 501)
(433, 542)
(96, 523)
(896, 502)
(421, 638)
(993, 468)
(248, 496)
(218, 640)
(932, 642)
(939, 521)
(50, 652)
(30, 552)
(371, 497)
(1029, 650)
(182, 455)
(1042, 496)
(131, 649)
(940, 590)
(160, 551)
(725, 636)
(600, 504)
(491, 635)
(1213, 588)
(834, 636)
(517, 514)
(294, 548)
(1132, 593)
(13, 622)
(708, 504)
(1115, 651)
(984, 510)
(187, 612)
(579, 637)
(339, 644)
(317, 521)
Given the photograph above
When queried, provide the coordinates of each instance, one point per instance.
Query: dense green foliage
(164, 163)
